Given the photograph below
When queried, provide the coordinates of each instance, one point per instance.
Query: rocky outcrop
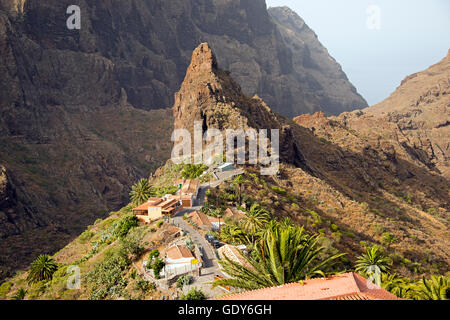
(209, 95)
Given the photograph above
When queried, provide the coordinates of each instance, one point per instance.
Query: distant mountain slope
(419, 110)
(323, 84)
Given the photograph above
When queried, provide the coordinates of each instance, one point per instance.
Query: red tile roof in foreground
(348, 286)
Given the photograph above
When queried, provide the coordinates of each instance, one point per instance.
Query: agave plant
(140, 192)
(285, 254)
(42, 268)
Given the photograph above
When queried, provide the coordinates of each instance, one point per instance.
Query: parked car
(210, 238)
(217, 244)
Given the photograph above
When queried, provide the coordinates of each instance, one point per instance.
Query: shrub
(144, 285)
(388, 238)
(190, 244)
(378, 228)
(107, 277)
(334, 228)
(4, 289)
(159, 224)
(133, 247)
(192, 171)
(86, 236)
(194, 294)
(158, 265)
(279, 190)
(153, 254)
(42, 268)
(184, 280)
(125, 224)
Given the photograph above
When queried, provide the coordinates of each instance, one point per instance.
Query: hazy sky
(412, 35)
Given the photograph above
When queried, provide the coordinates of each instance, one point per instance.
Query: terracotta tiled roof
(349, 286)
(167, 204)
(179, 252)
(150, 203)
(200, 219)
(190, 186)
(182, 197)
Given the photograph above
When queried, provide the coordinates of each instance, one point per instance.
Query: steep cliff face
(15, 216)
(145, 46)
(323, 86)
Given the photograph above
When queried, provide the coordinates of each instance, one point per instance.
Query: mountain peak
(203, 60)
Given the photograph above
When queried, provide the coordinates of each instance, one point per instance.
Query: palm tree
(255, 220)
(396, 285)
(437, 288)
(239, 181)
(42, 268)
(233, 235)
(140, 192)
(285, 255)
(373, 258)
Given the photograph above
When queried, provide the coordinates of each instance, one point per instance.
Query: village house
(180, 260)
(205, 222)
(188, 191)
(156, 208)
(179, 255)
(348, 286)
